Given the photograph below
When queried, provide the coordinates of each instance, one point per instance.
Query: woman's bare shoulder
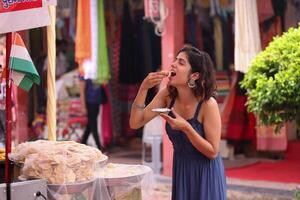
(211, 103)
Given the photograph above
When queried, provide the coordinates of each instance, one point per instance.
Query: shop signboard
(17, 15)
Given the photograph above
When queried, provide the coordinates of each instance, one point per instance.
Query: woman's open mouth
(172, 74)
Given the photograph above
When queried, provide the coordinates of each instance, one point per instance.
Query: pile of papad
(59, 162)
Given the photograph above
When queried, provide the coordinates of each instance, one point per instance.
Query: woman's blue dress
(195, 177)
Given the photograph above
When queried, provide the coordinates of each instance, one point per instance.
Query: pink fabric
(274, 30)
(271, 144)
(106, 121)
(264, 9)
(268, 140)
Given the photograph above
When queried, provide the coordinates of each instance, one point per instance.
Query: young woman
(193, 125)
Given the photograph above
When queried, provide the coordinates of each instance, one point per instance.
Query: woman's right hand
(153, 78)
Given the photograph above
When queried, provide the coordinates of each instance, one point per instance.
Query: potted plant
(273, 81)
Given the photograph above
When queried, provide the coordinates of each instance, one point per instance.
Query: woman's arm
(212, 128)
(140, 114)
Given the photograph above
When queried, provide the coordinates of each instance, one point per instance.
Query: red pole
(8, 116)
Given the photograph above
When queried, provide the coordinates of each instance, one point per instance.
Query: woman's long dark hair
(200, 62)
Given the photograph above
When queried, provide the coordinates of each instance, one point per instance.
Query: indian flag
(23, 71)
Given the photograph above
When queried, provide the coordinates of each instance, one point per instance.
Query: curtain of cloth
(113, 17)
(247, 38)
(293, 17)
(106, 120)
(83, 33)
(90, 65)
(218, 36)
(103, 65)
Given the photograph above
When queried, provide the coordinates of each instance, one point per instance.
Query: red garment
(264, 9)
(127, 95)
(106, 122)
(274, 30)
(241, 125)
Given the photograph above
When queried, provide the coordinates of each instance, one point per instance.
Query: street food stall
(51, 169)
(72, 170)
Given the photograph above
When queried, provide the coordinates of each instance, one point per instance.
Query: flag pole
(51, 99)
(8, 121)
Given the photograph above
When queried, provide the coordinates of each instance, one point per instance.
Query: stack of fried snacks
(59, 162)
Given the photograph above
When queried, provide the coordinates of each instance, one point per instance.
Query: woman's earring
(191, 83)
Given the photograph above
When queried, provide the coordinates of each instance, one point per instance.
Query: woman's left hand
(177, 123)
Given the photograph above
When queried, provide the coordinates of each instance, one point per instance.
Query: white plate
(161, 110)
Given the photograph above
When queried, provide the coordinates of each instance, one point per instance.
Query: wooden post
(51, 99)
(172, 41)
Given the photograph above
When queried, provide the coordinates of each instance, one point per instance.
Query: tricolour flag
(23, 72)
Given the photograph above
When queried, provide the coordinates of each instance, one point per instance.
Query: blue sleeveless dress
(195, 177)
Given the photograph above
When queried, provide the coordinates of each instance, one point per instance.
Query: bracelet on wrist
(140, 107)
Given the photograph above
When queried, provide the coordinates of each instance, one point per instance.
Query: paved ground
(237, 189)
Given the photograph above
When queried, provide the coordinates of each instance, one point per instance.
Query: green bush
(273, 81)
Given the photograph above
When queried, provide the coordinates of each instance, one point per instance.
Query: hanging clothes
(190, 29)
(131, 71)
(152, 48)
(273, 30)
(271, 26)
(293, 17)
(218, 37)
(103, 65)
(265, 10)
(228, 43)
(83, 33)
(207, 31)
(116, 106)
(113, 15)
(90, 65)
(215, 9)
(131, 55)
(215, 13)
(193, 30)
(247, 39)
(241, 124)
(135, 52)
(127, 95)
(106, 120)
(152, 54)
(72, 29)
